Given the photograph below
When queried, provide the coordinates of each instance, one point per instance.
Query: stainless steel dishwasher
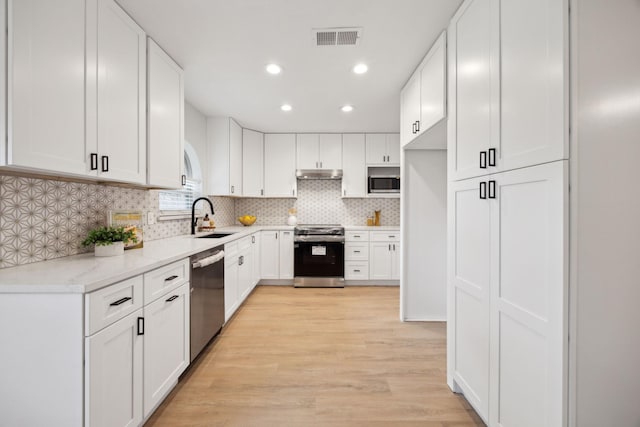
(207, 297)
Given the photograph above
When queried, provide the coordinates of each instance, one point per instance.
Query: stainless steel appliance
(318, 256)
(384, 184)
(207, 297)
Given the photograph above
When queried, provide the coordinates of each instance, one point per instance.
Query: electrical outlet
(151, 218)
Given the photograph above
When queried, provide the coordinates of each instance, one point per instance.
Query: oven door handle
(218, 256)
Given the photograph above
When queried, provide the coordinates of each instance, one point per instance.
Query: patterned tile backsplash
(319, 202)
(44, 219)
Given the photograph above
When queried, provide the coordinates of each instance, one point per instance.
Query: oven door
(318, 259)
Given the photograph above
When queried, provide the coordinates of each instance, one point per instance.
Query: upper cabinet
(252, 163)
(383, 149)
(354, 170)
(423, 99)
(46, 86)
(280, 165)
(319, 151)
(224, 138)
(77, 91)
(165, 82)
(506, 112)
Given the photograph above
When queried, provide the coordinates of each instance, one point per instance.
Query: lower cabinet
(384, 256)
(255, 255)
(238, 273)
(276, 254)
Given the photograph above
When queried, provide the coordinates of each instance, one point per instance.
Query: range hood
(319, 173)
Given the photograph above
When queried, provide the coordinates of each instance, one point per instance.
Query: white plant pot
(292, 220)
(116, 248)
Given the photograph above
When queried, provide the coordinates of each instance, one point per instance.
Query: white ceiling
(224, 45)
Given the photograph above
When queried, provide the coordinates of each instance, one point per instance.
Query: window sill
(172, 216)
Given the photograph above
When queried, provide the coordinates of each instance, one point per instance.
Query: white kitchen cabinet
(507, 293)
(231, 277)
(120, 142)
(383, 149)
(319, 151)
(423, 100)
(280, 165)
(506, 110)
(3, 87)
(114, 374)
(255, 254)
(269, 255)
(354, 171)
(166, 344)
(165, 99)
(384, 255)
(252, 163)
(245, 268)
(224, 139)
(286, 254)
(46, 50)
(356, 255)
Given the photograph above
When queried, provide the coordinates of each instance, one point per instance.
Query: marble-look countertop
(86, 273)
(372, 228)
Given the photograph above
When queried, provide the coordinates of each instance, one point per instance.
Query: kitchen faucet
(193, 212)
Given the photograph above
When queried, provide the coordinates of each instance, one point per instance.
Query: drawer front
(356, 236)
(231, 249)
(244, 243)
(164, 279)
(385, 236)
(356, 251)
(356, 270)
(110, 304)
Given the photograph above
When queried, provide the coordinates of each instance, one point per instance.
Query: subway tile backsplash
(43, 219)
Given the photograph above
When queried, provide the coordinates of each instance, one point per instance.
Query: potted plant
(109, 241)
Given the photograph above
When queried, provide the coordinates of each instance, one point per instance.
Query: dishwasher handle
(218, 256)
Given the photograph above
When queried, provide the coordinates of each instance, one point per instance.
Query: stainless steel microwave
(384, 184)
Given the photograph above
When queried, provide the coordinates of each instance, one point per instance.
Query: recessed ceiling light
(273, 69)
(360, 69)
(347, 108)
(286, 107)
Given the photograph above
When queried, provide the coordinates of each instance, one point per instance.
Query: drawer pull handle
(170, 278)
(392, 237)
(172, 298)
(356, 271)
(357, 252)
(120, 301)
(356, 236)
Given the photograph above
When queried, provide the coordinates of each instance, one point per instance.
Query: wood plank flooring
(319, 357)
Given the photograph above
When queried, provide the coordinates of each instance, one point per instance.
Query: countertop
(86, 273)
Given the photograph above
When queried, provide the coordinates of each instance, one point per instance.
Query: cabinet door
(121, 95)
(166, 344)
(252, 163)
(395, 261)
(330, 151)
(166, 119)
(46, 85)
(255, 247)
(245, 274)
(410, 109)
(529, 296)
(393, 149)
(280, 165)
(380, 261)
(235, 158)
(469, 274)
(269, 255)
(432, 86)
(286, 254)
(113, 374)
(307, 151)
(376, 148)
(354, 170)
(231, 275)
(533, 100)
(472, 78)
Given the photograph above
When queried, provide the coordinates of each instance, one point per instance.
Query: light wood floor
(319, 357)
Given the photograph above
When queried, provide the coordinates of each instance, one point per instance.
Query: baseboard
(276, 282)
(372, 283)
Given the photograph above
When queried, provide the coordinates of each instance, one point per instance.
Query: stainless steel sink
(215, 236)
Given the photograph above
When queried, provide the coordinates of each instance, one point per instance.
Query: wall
(605, 208)
(319, 202)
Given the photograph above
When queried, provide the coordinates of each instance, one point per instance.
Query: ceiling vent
(336, 36)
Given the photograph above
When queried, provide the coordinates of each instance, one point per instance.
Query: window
(178, 202)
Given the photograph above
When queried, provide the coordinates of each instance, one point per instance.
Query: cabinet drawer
(357, 236)
(385, 236)
(356, 251)
(110, 304)
(164, 279)
(356, 270)
(231, 249)
(244, 243)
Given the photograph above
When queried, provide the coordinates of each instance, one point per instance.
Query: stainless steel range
(318, 256)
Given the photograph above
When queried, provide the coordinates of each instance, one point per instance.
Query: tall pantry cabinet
(508, 210)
